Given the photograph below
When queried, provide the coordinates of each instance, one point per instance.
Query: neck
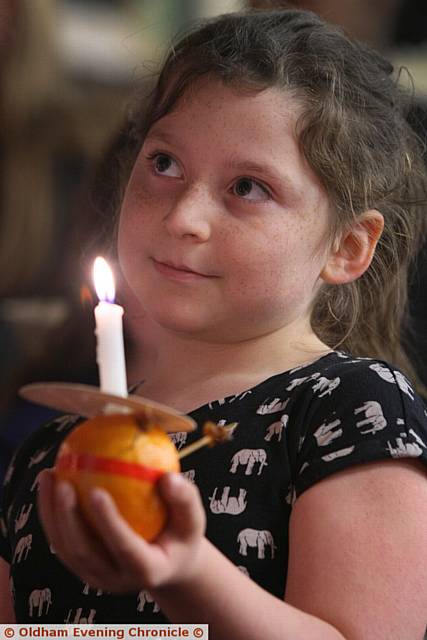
(185, 372)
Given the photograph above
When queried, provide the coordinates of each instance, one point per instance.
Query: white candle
(110, 353)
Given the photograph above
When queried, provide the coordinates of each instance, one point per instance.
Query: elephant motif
(87, 588)
(291, 496)
(77, 617)
(143, 598)
(325, 434)
(36, 482)
(272, 407)
(22, 519)
(404, 449)
(23, 544)
(190, 475)
(38, 598)
(326, 386)
(249, 457)
(65, 421)
(38, 456)
(373, 416)
(417, 438)
(258, 539)
(8, 474)
(227, 504)
(338, 454)
(179, 438)
(276, 428)
(394, 378)
(297, 381)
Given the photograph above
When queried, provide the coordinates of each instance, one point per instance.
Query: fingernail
(176, 482)
(98, 496)
(65, 493)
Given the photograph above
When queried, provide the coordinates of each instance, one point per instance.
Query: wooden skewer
(214, 434)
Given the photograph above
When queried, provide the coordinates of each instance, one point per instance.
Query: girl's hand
(114, 557)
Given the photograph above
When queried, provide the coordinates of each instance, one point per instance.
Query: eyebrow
(161, 136)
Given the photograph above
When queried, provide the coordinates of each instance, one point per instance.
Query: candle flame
(104, 280)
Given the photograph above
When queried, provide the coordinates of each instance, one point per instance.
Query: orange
(114, 452)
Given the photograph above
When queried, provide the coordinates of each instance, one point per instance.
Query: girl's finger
(130, 551)
(81, 549)
(60, 528)
(186, 514)
(46, 509)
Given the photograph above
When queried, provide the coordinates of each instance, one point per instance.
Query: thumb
(186, 512)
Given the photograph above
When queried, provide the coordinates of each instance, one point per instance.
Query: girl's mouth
(182, 274)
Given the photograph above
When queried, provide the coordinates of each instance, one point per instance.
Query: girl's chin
(183, 321)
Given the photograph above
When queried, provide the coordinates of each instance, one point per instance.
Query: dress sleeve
(5, 547)
(361, 411)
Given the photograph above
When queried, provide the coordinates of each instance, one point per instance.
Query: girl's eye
(165, 165)
(250, 190)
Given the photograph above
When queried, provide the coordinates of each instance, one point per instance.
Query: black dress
(295, 428)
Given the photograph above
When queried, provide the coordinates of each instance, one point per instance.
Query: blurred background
(68, 69)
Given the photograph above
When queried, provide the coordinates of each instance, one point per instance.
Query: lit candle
(110, 353)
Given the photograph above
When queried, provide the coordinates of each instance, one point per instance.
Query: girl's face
(221, 188)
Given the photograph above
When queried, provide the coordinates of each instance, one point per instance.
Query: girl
(270, 217)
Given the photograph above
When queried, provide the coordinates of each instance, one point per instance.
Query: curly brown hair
(354, 135)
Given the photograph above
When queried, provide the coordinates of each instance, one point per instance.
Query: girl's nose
(189, 215)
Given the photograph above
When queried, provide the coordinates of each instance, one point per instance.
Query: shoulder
(342, 378)
(356, 410)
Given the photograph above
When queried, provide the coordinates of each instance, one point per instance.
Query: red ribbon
(99, 464)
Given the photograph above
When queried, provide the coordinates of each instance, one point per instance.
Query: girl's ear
(353, 253)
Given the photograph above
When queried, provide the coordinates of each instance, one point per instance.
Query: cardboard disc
(89, 402)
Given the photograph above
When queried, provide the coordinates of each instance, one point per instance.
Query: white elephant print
(23, 516)
(78, 617)
(179, 438)
(404, 385)
(65, 421)
(8, 474)
(227, 504)
(190, 475)
(374, 417)
(291, 496)
(23, 544)
(249, 457)
(326, 386)
(38, 598)
(325, 434)
(303, 468)
(144, 597)
(338, 454)
(38, 456)
(240, 396)
(404, 449)
(418, 439)
(87, 588)
(296, 382)
(272, 407)
(36, 482)
(276, 428)
(256, 539)
(397, 378)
